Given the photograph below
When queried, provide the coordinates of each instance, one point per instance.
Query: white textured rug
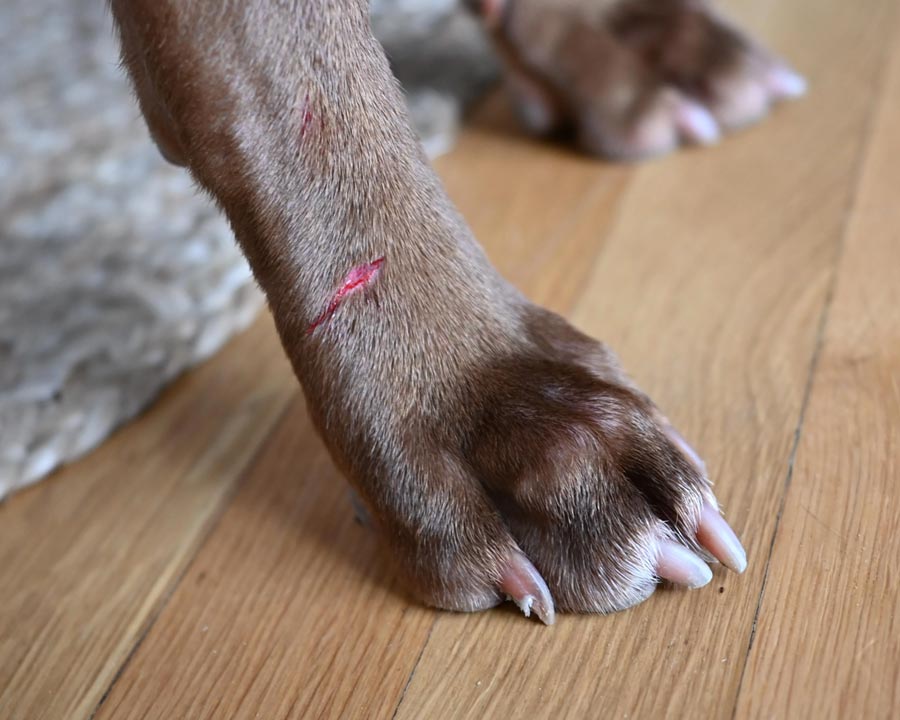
(115, 273)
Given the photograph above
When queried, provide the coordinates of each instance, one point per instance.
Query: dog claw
(716, 535)
(523, 584)
(713, 532)
(679, 565)
(785, 84)
(697, 124)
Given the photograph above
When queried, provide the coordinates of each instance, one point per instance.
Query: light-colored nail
(785, 83)
(521, 582)
(679, 565)
(698, 124)
(716, 535)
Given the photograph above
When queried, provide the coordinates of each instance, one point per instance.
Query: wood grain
(289, 610)
(712, 286)
(88, 557)
(828, 640)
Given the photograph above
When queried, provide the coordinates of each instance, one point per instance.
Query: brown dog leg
(493, 445)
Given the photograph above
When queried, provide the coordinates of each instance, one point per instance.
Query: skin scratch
(357, 279)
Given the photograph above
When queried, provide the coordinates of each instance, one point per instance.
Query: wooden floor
(205, 563)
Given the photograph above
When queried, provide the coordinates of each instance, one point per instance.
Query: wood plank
(543, 211)
(291, 609)
(712, 286)
(88, 556)
(828, 638)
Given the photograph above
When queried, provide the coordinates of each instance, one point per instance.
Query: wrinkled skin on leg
(497, 451)
(633, 78)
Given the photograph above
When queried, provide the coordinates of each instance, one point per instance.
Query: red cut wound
(357, 279)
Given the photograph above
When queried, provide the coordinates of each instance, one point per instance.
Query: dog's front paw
(547, 477)
(598, 490)
(634, 78)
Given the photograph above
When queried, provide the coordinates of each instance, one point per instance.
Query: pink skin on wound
(358, 278)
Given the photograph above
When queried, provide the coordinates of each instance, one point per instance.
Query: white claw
(523, 584)
(679, 565)
(716, 535)
(784, 83)
(697, 124)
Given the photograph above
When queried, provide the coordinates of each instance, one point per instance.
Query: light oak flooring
(205, 563)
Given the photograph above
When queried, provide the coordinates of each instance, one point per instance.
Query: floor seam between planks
(204, 535)
(874, 112)
(798, 431)
(415, 667)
